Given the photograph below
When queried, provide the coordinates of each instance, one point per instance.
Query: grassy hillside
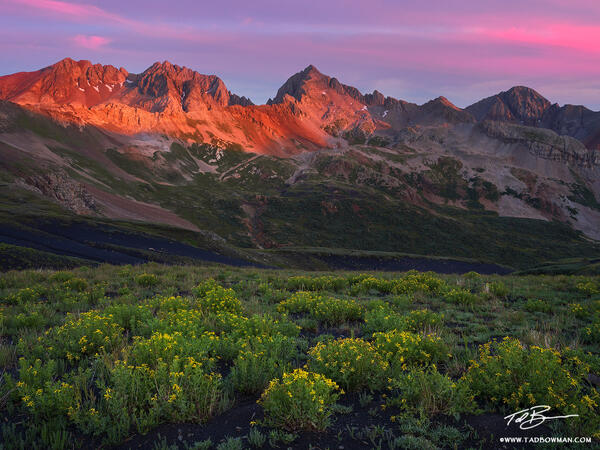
(364, 198)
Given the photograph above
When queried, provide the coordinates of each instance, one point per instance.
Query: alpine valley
(101, 165)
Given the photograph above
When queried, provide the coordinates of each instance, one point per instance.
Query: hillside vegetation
(212, 357)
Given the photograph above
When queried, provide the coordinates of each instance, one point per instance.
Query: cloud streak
(90, 42)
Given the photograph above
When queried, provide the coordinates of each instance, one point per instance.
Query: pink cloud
(577, 37)
(73, 10)
(90, 42)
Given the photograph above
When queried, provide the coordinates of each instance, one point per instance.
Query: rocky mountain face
(527, 107)
(310, 111)
(171, 145)
(519, 104)
(66, 82)
(161, 87)
(164, 85)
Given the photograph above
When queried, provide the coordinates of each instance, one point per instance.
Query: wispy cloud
(71, 10)
(90, 42)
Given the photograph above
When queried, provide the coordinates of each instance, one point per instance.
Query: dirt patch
(116, 207)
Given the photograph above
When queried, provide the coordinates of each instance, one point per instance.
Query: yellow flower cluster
(404, 349)
(510, 374)
(329, 310)
(299, 400)
(352, 362)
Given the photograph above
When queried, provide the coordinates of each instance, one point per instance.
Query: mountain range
(320, 165)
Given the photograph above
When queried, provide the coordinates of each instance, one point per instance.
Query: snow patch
(109, 87)
(81, 89)
(96, 87)
(364, 108)
(323, 92)
(385, 113)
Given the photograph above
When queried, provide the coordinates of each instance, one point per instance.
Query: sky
(414, 50)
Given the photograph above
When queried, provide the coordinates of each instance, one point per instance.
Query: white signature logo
(533, 417)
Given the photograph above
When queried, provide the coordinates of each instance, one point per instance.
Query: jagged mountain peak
(64, 82)
(312, 69)
(441, 100)
(519, 104)
(185, 87)
(295, 86)
(312, 82)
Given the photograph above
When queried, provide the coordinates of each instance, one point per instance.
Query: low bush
(328, 310)
(591, 333)
(146, 280)
(510, 376)
(322, 283)
(219, 300)
(89, 334)
(351, 362)
(576, 310)
(461, 296)
(404, 350)
(384, 318)
(537, 305)
(498, 289)
(260, 360)
(300, 400)
(428, 391)
(589, 288)
(335, 311)
(141, 397)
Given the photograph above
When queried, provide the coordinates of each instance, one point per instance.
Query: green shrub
(220, 299)
(299, 302)
(405, 350)
(322, 283)
(335, 311)
(352, 363)
(142, 397)
(422, 320)
(300, 400)
(40, 392)
(425, 282)
(370, 284)
(513, 377)
(76, 284)
(146, 280)
(412, 282)
(87, 335)
(203, 287)
(329, 310)
(576, 310)
(589, 288)
(22, 296)
(591, 333)
(260, 360)
(537, 305)
(167, 347)
(428, 391)
(383, 319)
(498, 289)
(61, 276)
(136, 319)
(271, 295)
(461, 296)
